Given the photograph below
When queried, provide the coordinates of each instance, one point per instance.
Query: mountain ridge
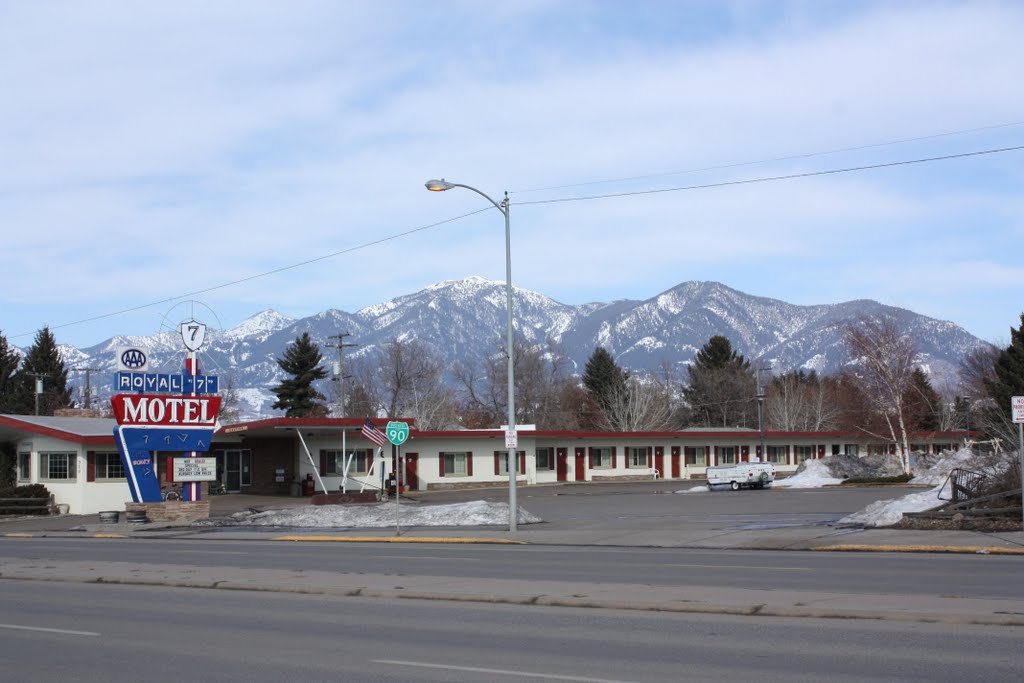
(467, 319)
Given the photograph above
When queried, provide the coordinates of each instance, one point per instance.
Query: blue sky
(155, 149)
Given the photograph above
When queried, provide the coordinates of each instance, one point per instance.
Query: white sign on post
(1017, 406)
(511, 439)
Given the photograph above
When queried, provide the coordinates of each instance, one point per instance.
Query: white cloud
(151, 152)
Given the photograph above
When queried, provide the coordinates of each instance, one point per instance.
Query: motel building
(77, 460)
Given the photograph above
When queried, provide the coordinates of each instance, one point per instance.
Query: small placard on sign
(195, 469)
(1017, 406)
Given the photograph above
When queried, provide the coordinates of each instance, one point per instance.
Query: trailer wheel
(735, 486)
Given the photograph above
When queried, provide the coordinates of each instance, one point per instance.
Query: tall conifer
(296, 394)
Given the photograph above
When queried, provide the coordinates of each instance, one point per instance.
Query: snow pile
(932, 470)
(889, 512)
(475, 513)
(695, 489)
(812, 474)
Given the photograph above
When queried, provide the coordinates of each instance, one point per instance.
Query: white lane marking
(736, 566)
(15, 627)
(500, 672)
(429, 557)
(212, 552)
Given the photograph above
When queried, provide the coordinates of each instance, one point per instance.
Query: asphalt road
(89, 632)
(975, 576)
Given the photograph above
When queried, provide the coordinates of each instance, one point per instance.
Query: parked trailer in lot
(755, 475)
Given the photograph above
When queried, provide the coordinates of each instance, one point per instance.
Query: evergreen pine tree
(721, 389)
(1009, 374)
(42, 360)
(922, 403)
(9, 362)
(603, 378)
(296, 394)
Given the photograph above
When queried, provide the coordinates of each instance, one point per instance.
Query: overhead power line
(257, 276)
(382, 240)
(769, 179)
(791, 157)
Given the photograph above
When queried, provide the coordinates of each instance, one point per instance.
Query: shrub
(898, 479)
(30, 494)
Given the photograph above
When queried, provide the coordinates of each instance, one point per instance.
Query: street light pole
(503, 207)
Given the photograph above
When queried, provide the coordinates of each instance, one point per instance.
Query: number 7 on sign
(193, 334)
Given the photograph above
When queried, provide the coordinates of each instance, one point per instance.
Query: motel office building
(78, 462)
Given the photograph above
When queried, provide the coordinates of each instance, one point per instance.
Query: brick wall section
(446, 486)
(269, 455)
(174, 511)
(625, 477)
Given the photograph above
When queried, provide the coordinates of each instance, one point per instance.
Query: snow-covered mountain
(467, 319)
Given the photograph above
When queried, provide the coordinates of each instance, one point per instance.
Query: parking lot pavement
(630, 514)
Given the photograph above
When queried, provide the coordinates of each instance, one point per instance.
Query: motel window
(696, 455)
(777, 455)
(455, 464)
(109, 466)
(359, 459)
(24, 467)
(57, 466)
(940, 447)
(636, 457)
(545, 458)
(727, 455)
(851, 449)
(804, 453)
(601, 458)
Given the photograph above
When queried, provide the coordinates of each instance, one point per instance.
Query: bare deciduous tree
(883, 369)
(641, 405)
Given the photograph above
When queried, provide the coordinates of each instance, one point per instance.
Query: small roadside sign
(1017, 406)
(511, 438)
(397, 432)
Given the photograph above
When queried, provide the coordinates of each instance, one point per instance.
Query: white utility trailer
(755, 475)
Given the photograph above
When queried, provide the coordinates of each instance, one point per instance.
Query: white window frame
(336, 461)
(728, 455)
(545, 458)
(699, 455)
(71, 462)
(804, 453)
(776, 455)
(25, 466)
(458, 460)
(636, 458)
(601, 458)
(102, 473)
(851, 449)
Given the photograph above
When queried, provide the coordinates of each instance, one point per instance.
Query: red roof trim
(57, 433)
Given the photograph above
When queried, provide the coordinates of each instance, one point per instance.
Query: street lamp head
(438, 185)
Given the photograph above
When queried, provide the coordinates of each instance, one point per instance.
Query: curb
(963, 549)
(399, 539)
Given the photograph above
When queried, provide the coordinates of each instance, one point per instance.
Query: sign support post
(1017, 409)
(397, 433)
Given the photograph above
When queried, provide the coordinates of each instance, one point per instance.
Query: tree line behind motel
(882, 392)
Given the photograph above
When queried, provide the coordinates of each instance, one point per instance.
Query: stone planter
(109, 517)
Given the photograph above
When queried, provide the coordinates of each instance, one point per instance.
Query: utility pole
(760, 412)
(340, 373)
(39, 386)
(88, 386)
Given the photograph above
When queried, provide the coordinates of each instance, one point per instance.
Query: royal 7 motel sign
(168, 412)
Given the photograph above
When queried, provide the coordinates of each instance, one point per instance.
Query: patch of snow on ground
(814, 475)
(475, 513)
(888, 512)
(695, 489)
(936, 472)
